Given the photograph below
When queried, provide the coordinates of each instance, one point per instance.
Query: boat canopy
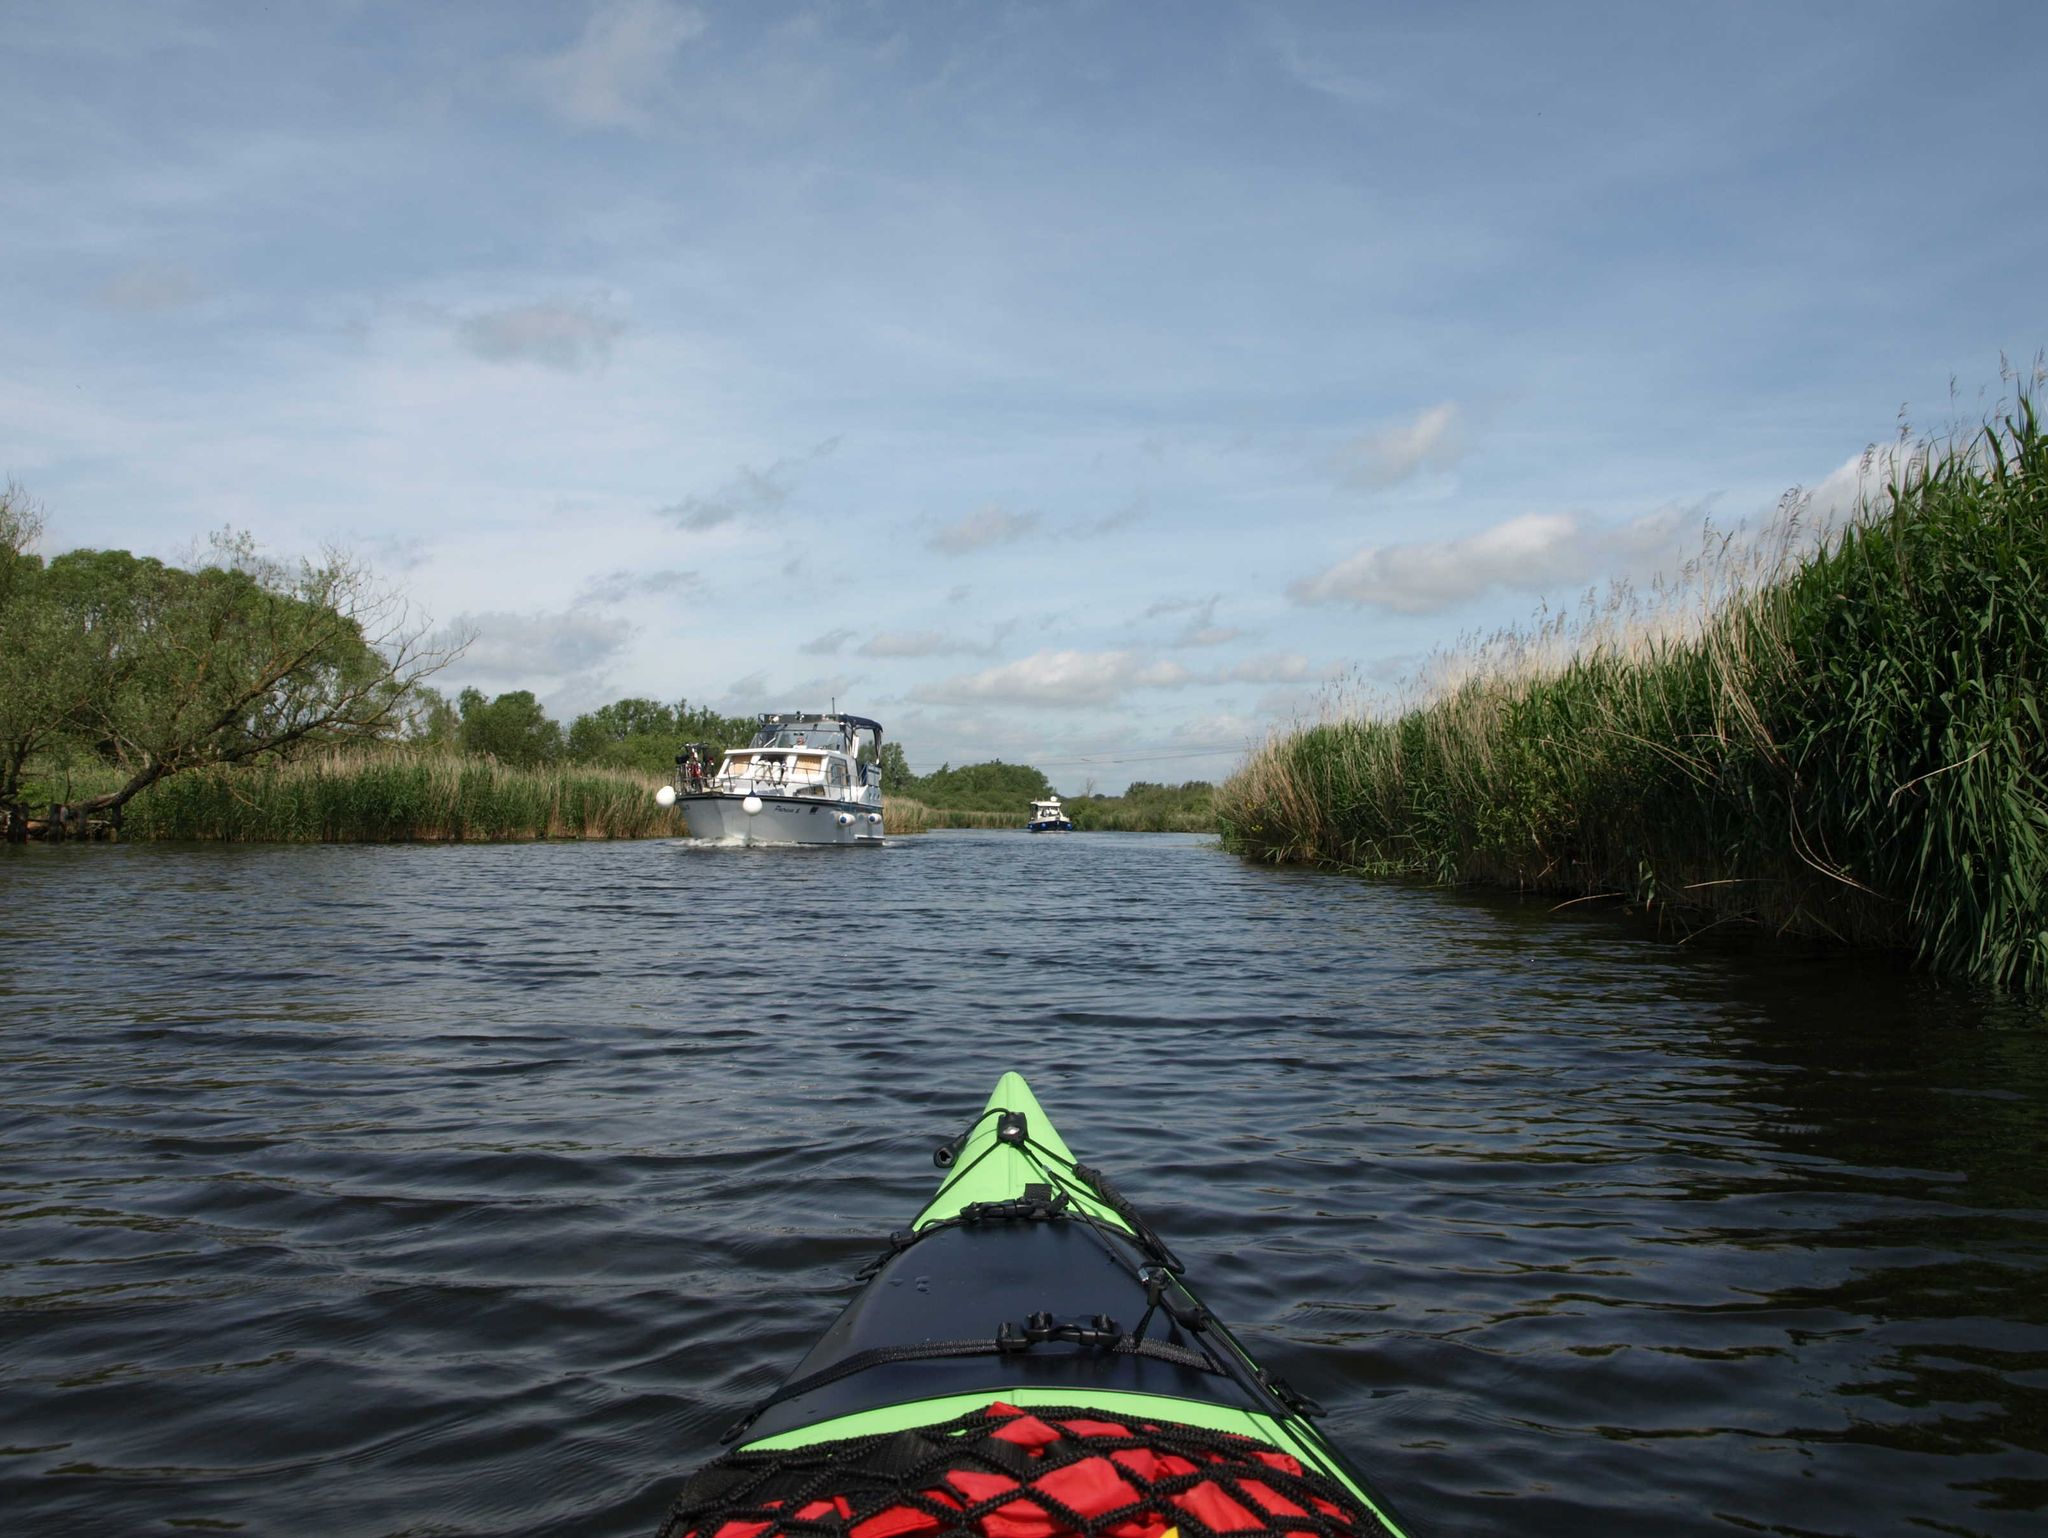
(776, 724)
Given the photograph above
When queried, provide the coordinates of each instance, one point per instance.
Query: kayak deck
(1031, 1281)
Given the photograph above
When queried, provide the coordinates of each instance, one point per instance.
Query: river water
(477, 1190)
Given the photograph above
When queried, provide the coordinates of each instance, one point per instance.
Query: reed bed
(1846, 741)
(399, 795)
(900, 814)
(1117, 816)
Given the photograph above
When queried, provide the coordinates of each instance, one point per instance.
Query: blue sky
(1090, 384)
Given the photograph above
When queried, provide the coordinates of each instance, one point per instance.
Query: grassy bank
(1851, 744)
(397, 795)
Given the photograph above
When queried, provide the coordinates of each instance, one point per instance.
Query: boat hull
(724, 819)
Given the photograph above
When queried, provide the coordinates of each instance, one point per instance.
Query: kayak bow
(1028, 1283)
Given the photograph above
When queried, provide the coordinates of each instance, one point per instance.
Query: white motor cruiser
(1048, 816)
(804, 779)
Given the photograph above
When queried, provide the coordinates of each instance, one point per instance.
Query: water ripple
(476, 1190)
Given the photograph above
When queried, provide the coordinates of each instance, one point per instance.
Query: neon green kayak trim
(989, 1170)
(1188, 1412)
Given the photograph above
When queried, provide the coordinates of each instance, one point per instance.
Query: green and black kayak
(1027, 1360)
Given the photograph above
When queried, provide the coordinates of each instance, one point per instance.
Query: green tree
(645, 734)
(897, 780)
(619, 721)
(43, 679)
(431, 721)
(248, 658)
(243, 658)
(990, 787)
(513, 728)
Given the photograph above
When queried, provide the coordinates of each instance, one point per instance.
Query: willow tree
(242, 658)
(41, 684)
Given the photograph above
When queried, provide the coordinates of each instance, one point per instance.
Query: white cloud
(1133, 512)
(750, 493)
(1061, 678)
(149, 290)
(617, 586)
(615, 74)
(1267, 668)
(754, 692)
(990, 525)
(1861, 480)
(1529, 553)
(556, 334)
(820, 691)
(520, 650)
(1223, 727)
(921, 643)
(1201, 628)
(743, 695)
(1387, 455)
(828, 644)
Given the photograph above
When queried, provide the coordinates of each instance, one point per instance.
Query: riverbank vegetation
(995, 787)
(416, 794)
(399, 793)
(246, 698)
(998, 795)
(1847, 741)
(151, 671)
(1144, 807)
(901, 814)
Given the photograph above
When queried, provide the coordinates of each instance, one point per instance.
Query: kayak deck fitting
(1029, 1306)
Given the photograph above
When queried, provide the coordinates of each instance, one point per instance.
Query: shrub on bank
(1852, 747)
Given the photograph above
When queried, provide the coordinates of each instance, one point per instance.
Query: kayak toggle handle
(1011, 1127)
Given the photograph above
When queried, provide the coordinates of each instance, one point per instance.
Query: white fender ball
(751, 806)
(666, 796)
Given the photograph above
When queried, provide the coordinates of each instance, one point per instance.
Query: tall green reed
(1845, 741)
(395, 795)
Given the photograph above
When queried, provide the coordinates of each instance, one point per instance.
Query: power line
(1144, 758)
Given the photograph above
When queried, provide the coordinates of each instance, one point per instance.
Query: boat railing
(745, 773)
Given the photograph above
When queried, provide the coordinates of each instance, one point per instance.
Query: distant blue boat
(1049, 817)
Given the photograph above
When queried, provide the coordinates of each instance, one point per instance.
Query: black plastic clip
(1099, 1331)
(1037, 1205)
(1012, 1127)
(1158, 1280)
(1293, 1398)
